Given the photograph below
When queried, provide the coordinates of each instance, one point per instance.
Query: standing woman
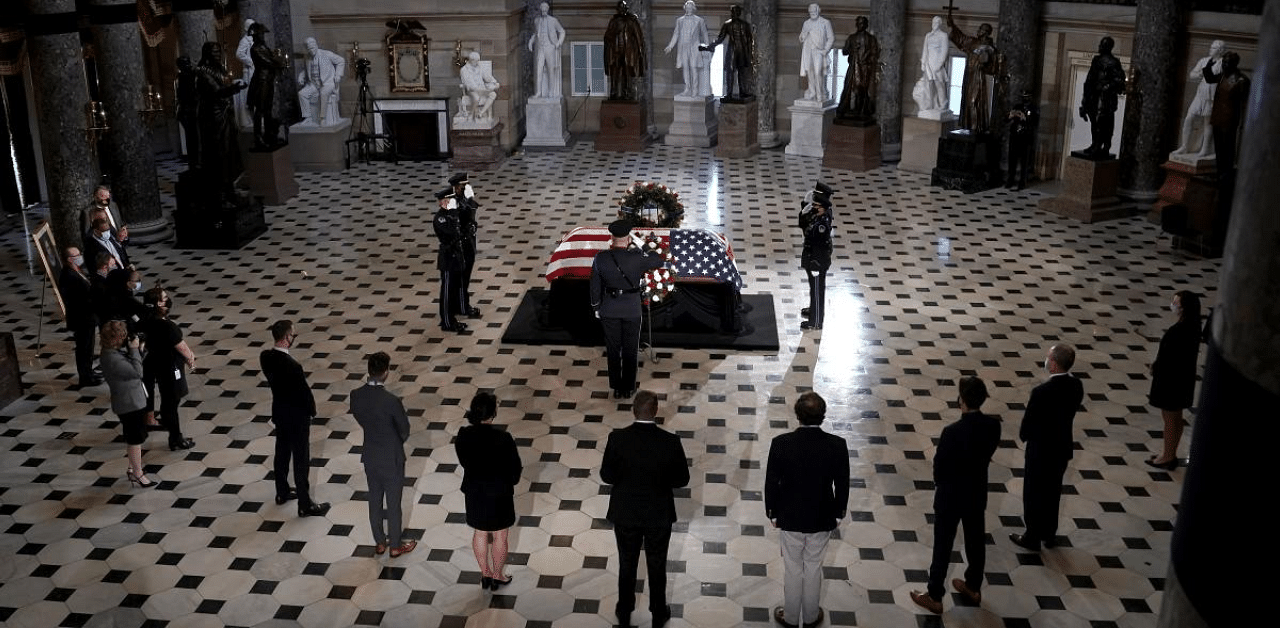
(167, 360)
(1173, 374)
(490, 470)
(122, 368)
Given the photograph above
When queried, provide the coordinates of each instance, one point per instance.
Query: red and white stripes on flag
(700, 254)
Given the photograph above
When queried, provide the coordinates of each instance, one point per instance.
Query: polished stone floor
(927, 285)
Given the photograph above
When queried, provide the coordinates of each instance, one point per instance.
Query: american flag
(701, 255)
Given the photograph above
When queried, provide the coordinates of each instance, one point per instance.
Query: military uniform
(467, 208)
(450, 262)
(815, 258)
(615, 296)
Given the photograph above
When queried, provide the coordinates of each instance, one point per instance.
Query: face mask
(453, 204)
(467, 191)
(137, 288)
(1173, 307)
(78, 260)
(104, 235)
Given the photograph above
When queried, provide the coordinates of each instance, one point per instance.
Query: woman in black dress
(166, 364)
(1173, 374)
(490, 470)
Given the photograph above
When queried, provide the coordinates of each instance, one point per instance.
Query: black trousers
(817, 295)
(944, 538)
(622, 346)
(1104, 124)
(655, 542)
(167, 414)
(1041, 494)
(451, 291)
(293, 444)
(83, 336)
(1019, 160)
(464, 289)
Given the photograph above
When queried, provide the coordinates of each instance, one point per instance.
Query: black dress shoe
(181, 443)
(473, 313)
(807, 325)
(290, 496)
(804, 311)
(1025, 543)
(455, 327)
(624, 620)
(661, 617)
(1167, 466)
(1050, 543)
(313, 510)
(494, 583)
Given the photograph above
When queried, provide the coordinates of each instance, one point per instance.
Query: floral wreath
(658, 283)
(651, 205)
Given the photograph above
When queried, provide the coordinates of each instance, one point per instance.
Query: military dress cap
(619, 228)
(823, 199)
(443, 194)
(458, 179)
(819, 186)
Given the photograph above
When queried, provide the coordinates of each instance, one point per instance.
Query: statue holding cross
(984, 68)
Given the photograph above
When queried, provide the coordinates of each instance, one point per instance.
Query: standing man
(1046, 429)
(645, 464)
(1102, 88)
(689, 35)
(74, 287)
(262, 90)
(292, 408)
(386, 427)
(624, 56)
(806, 493)
(815, 257)
(615, 297)
(1022, 121)
(816, 40)
(467, 207)
(934, 70)
(449, 260)
(319, 94)
(548, 36)
(739, 57)
(960, 496)
(102, 201)
(858, 100)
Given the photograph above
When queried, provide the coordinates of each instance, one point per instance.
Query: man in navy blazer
(386, 427)
(1046, 429)
(645, 464)
(806, 493)
(292, 408)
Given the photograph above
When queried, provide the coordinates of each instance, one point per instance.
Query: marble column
(1018, 38)
(763, 16)
(888, 23)
(1219, 547)
(1150, 125)
(644, 85)
(195, 26)
(58, 82)
(128, 160)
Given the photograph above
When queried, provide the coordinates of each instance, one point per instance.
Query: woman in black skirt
(1173, 375)
(490, 470)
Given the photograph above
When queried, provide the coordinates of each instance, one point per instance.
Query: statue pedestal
(809, 123)
(319, 148)
(968, 162)
(855, 148)
(622, 127)
(270, 174)
(544, 122)
(693, 122)
(204, 221)
(739, 129)
(1196, 187)
(1088, 191)
(920, 143)
(477, 149)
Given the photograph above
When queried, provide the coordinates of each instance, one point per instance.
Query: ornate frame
(407, 66)
(51, 260)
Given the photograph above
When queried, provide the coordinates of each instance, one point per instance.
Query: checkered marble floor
(927, 285)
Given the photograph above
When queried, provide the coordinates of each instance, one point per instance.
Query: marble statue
(1201, 106)
(219, 148)
(739, 57)
(935, 73)
(479, 91)
(624, 54)
(243, 116)
(816, 40)
(548, 36)
(1102, 88)
(262, 89)
(319, 97)
(689, 35)
(858, 100)
(1230, 98)
(983, 69)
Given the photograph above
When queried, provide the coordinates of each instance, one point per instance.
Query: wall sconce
(458, 61)
(152, 103)
(95, 121)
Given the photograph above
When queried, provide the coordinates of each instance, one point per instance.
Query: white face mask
(468, 192)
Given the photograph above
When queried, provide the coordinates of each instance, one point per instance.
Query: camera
(362, 68)
(139, 336)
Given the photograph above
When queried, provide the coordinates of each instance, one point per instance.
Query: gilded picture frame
(408, 67)
(50, 260)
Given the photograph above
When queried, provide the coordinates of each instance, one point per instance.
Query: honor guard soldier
(449, 260)
(467, 207)
(616, 274)
(815, 258)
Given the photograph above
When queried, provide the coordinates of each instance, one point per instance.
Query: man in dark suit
(806, 492)
(386, 427)
(1046, 429)
(960, 496)
(74, 287)
(292, 408)
(645, 464)
(615, 296)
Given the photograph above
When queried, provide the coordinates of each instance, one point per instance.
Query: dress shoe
(974, 597)
(486, 583)
(817, 621)
(291, 495)
(1026, 543)
(807, 325)
(380, 549)
(455, 327)
(473, 313)
(181, 443)
(316, 510)
(804, 311)
(617, 394)
(661, 617)
(781, 617)
(925, 601)
(1167, 466)
(1050, 543)
(494, 583)
(405, 548)
(624, 620)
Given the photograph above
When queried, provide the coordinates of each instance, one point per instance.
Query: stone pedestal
(477, 149)
(1088, 191)
(622, 127)
(809, 123)
(969, 162)
(544, 122)
(270, 175)
(855, 148)
(693, 122)
(319, 148)
(739, 129)
(1193, 186)
(205, 220)
(920, 142)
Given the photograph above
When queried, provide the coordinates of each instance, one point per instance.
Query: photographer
(122, 368)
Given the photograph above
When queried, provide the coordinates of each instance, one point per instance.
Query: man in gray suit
(386, 427)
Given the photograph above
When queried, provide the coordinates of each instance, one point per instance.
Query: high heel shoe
(133, 479)
(486, 583)
(1167, 466)
(494, 583)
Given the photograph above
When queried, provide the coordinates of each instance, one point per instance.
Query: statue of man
(934, 69)
(624, 56)
(739, 57)
(219, 148)
(262, 90)
(982, 68)
(858, 100)
(1022, 120)
(246, 73)
(1201, 104)
(548, 36)
(479, 90)
(689, 35)
(319, 79)
(816, 40)
(188, 106)
(1229, 100)
(1102, 88)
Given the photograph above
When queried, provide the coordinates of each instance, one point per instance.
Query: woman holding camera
(122, 369)
(165, 365)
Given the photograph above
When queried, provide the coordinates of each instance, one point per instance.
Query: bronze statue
(983, 69)
(624, 55)
(219, 148)
(262, 90)
(739, 57)
(188, 105)
(1229, 100)
(1102, 89)
(858, 100)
